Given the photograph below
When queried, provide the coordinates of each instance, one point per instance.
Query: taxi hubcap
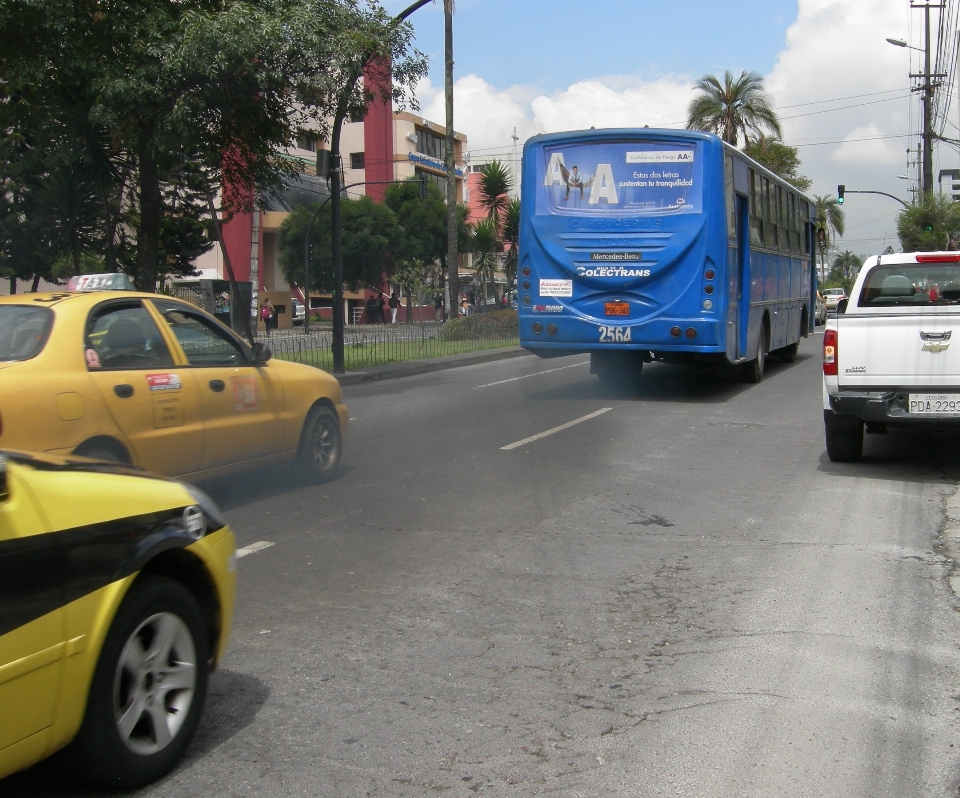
(154, 683)
(324, 444)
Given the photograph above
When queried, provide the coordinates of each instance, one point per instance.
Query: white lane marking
(537, 374)
(253, 548)
(557, 429)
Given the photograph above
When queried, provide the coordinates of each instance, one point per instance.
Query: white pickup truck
(888, 357)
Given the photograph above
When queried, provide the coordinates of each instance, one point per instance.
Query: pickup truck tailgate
(901, 351)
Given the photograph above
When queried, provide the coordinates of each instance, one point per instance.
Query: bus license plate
(611, 335)
(616, 308)
(934, 404)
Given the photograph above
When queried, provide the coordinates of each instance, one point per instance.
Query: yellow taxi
(116, 599)
(156, 382)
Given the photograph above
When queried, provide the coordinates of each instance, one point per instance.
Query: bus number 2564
(609, 335)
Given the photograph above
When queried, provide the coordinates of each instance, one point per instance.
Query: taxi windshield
(23, 331)
(912, 284)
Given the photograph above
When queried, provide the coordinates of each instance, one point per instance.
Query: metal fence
(370, 346)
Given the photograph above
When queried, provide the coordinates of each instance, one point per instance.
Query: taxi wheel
(148, 689)
(320, 444)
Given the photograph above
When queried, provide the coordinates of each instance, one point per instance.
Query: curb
(410, 368)
(950, 538)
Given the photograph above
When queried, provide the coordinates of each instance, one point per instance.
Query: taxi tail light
(830, 352)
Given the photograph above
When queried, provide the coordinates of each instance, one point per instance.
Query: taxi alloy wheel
(149, 687)
(320, 447)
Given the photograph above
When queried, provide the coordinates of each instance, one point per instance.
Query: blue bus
(643, 244)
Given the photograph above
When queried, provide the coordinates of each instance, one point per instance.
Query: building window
(431, 144)
(440, 180)
(356, 160)
(306, 143)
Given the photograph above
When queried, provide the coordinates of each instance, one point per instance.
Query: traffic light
(821, 237)
(840, 190)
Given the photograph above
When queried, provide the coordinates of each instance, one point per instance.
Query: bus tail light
(830, 353)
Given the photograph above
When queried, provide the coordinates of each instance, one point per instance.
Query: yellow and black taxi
(156, 382)
(116, 599)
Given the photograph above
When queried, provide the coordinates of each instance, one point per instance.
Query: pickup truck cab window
(911, 284)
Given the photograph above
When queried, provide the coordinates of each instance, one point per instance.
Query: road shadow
(903, 455)
(255, 485)
(694, 383)
(233, 702)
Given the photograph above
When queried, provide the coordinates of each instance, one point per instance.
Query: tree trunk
(148, 234)
(13, 284)
(453, 260)
(36, 284)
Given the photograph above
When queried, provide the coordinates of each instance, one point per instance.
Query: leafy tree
(778, 158)
(415, 277)
(828, 218)
(371, 237)
(736, 107)
(933, 224)
(423, 221)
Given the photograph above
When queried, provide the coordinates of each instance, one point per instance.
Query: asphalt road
(678, 596)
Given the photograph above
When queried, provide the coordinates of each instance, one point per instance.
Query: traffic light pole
(841, 190)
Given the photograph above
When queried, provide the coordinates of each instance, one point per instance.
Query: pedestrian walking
(438, 306)
(372, 309)
(383, 305)
(267, 314)
(394, 306)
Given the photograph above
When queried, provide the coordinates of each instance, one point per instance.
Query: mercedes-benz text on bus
(640, 245)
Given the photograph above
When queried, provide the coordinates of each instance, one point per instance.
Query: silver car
(832, 297)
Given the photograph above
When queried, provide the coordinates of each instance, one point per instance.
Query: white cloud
(835, 49)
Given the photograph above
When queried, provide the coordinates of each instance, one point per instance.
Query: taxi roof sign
(101, 282)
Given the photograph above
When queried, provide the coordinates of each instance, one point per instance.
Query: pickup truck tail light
(830, 353)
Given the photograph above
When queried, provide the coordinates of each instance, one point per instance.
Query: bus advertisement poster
(620, 178)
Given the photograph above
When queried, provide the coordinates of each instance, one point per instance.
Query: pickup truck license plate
(616, 308)
(934, 404)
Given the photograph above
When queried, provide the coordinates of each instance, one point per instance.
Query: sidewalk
(408, 368)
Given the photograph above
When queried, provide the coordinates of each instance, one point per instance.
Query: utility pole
(453, 265)
(927, 87)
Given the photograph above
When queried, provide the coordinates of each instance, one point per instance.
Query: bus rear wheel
(753, 369)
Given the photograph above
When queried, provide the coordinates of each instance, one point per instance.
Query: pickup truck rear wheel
(844, 444)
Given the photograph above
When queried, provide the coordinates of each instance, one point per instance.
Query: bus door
(743, 277)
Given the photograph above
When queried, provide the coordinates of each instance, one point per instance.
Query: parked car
(299, 312)
(156, 382)
(832, 297)
(117, 592)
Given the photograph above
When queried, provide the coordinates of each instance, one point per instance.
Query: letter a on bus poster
(622, 178)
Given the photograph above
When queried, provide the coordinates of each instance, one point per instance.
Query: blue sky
(532, 66)
(550, 44)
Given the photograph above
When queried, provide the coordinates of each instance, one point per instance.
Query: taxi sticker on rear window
(164, 382)
(245, 394)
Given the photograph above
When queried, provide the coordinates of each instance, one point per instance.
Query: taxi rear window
(912, 284)
(23, 331)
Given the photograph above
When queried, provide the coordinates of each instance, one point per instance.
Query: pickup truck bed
(889, 355)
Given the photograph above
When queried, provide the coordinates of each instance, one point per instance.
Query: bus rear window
(912, 284)
(620, 178)
(23, 331)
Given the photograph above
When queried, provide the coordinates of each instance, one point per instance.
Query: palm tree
(495, 186)
(484, 243)
(511, 240)
(828, 222)
(737, 107)
(847, 264)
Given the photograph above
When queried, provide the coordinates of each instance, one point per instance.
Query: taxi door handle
(217, 385)
(123, 391)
